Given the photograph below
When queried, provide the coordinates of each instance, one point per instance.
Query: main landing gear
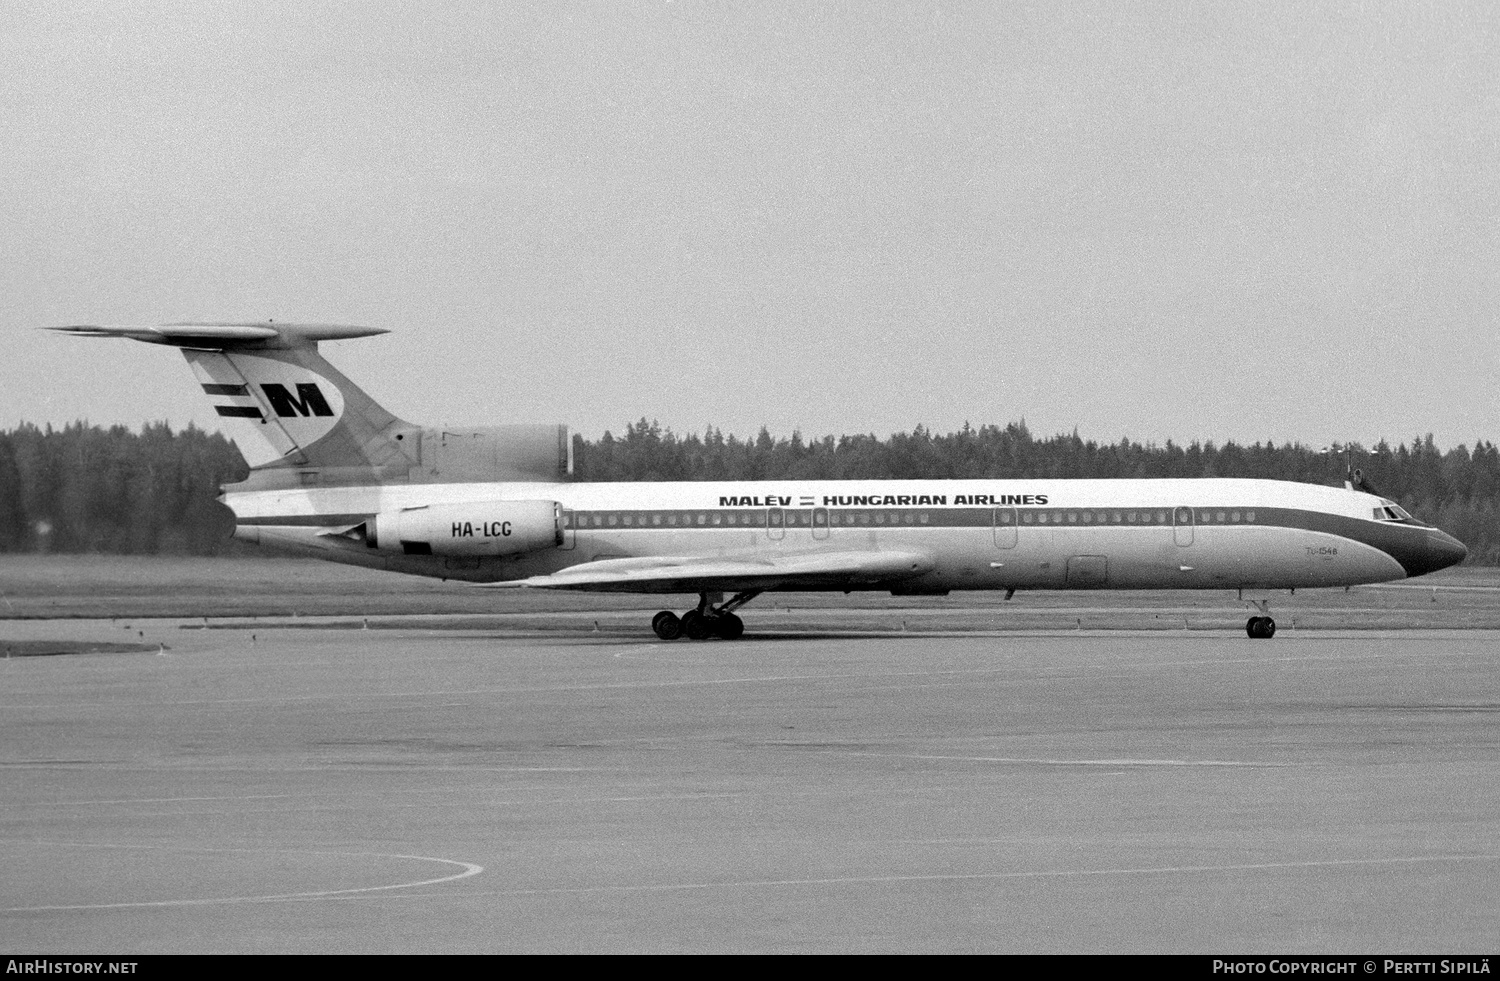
(1261, 627)
(708, 620)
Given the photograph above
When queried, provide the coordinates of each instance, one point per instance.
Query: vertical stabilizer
(281, 403)
(299, 422)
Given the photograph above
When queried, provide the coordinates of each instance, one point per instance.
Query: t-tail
(299, 422)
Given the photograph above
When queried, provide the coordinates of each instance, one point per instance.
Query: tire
(730, 626)
(1252, 628)
(1267, 628)
(666, 625)
(696, 626)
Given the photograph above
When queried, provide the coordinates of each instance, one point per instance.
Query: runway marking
(145, 800)
(1024, 672)
(338, 805)
(1041, 761)
(468, 869)
(1430, 588)
(975, 876)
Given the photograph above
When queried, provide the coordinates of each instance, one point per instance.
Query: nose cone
(1445, 550)
(1437, 550)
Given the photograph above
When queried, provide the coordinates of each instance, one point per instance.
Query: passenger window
(1028, 518)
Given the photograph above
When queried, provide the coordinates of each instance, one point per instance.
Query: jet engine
(483, 528)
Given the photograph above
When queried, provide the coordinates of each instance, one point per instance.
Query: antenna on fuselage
(1360, 482)
(1355, 479)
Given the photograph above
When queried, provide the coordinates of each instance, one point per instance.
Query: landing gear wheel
(696, 626)
(1252, 627)
(666, 625)
(730, 626)
(1260, 628)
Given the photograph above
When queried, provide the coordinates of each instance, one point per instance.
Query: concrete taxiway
(423, 790)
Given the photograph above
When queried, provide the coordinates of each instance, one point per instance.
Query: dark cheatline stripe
(1418, 548)
(305, 520)
(238, 411)
(226, 389)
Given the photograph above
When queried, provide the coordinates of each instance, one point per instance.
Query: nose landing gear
(707, 620)
(1261, 627)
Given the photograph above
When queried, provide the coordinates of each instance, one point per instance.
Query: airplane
(334, 474)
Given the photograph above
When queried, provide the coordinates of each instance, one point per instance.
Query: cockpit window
(1391, 511)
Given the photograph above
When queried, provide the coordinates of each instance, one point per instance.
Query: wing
(698, 574)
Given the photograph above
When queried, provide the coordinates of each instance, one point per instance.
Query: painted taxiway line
(468, 869)
(1042, 761)
(979, 876)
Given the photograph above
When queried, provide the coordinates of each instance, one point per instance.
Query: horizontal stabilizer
(709, 573)
(221, 336)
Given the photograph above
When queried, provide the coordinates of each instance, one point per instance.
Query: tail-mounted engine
(486, 528)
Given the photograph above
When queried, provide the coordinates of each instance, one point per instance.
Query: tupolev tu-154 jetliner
(335, 474)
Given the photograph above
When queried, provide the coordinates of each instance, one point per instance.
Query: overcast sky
(1172, 220)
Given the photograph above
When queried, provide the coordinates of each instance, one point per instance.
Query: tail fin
(297, 420)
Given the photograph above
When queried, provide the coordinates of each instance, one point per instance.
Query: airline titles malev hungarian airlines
(335, 474)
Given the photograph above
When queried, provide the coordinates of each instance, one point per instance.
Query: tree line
(85, 488)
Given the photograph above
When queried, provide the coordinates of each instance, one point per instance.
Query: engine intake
(483, 528)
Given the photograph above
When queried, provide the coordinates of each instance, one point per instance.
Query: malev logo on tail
(308, 401)
(274, 406)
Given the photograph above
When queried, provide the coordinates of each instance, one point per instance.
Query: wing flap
(670, 574)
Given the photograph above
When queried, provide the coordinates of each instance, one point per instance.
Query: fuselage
(976, 534)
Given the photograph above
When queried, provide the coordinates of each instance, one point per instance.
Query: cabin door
(1182, 525)
(1005, 527)
(775, 524)
(820, 523)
